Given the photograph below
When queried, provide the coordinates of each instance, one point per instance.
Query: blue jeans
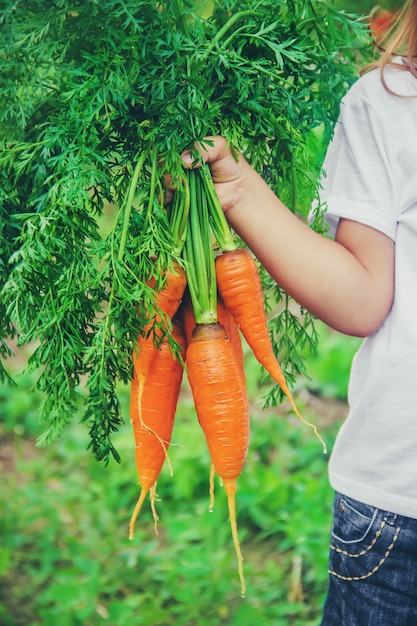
(372, 567)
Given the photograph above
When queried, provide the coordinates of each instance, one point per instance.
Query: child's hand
(228, 170)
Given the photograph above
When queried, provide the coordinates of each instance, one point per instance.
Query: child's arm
(348, 283)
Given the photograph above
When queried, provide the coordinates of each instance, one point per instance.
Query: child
(367, 288)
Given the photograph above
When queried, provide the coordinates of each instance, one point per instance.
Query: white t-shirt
(371, 177)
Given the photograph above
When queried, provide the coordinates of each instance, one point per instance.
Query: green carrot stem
(127, 207)
(219, 225)
(153, 182)
(223, 30)
(198, 252)
(178, 214)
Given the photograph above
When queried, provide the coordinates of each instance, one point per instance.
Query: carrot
(232, 330)
(167, 301)
(225, 318)
(153, 426)
(186, 317)
(169, 297)
(223, 410)
(239, 285)
(227, 321)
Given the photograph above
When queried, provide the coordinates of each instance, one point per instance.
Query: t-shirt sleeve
(358, 183)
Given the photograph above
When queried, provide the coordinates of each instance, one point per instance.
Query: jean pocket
(362, 539)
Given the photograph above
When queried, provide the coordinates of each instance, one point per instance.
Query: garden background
(65, 557)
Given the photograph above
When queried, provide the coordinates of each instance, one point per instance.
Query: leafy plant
(329, 370)
(97, 102)
(65, 556)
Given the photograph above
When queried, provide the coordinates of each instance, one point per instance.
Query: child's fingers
(213, 149)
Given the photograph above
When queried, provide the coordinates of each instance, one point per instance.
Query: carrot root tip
(211, 488)
(314, 428)
(136, 512)
(230, 488)
(154, 498)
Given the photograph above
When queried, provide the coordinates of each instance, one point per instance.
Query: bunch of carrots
(203, 308)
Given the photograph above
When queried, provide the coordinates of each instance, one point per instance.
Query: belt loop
(391, 518)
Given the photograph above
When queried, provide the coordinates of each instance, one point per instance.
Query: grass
(65, 557)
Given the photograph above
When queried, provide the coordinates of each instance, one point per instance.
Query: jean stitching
(369, 547)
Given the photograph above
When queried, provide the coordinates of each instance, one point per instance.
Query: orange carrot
(153, 426)
(227, 321)
(222, 408)
(167, 301)
(225, 318)
(240, 287)
(169, 297)
(186, 317)
(232, 330)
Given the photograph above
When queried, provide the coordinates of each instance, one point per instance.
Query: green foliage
(329, 369)
(65, 556)
(365, 7)
(97, 101)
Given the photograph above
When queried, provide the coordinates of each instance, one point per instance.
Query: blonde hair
(400, 40)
